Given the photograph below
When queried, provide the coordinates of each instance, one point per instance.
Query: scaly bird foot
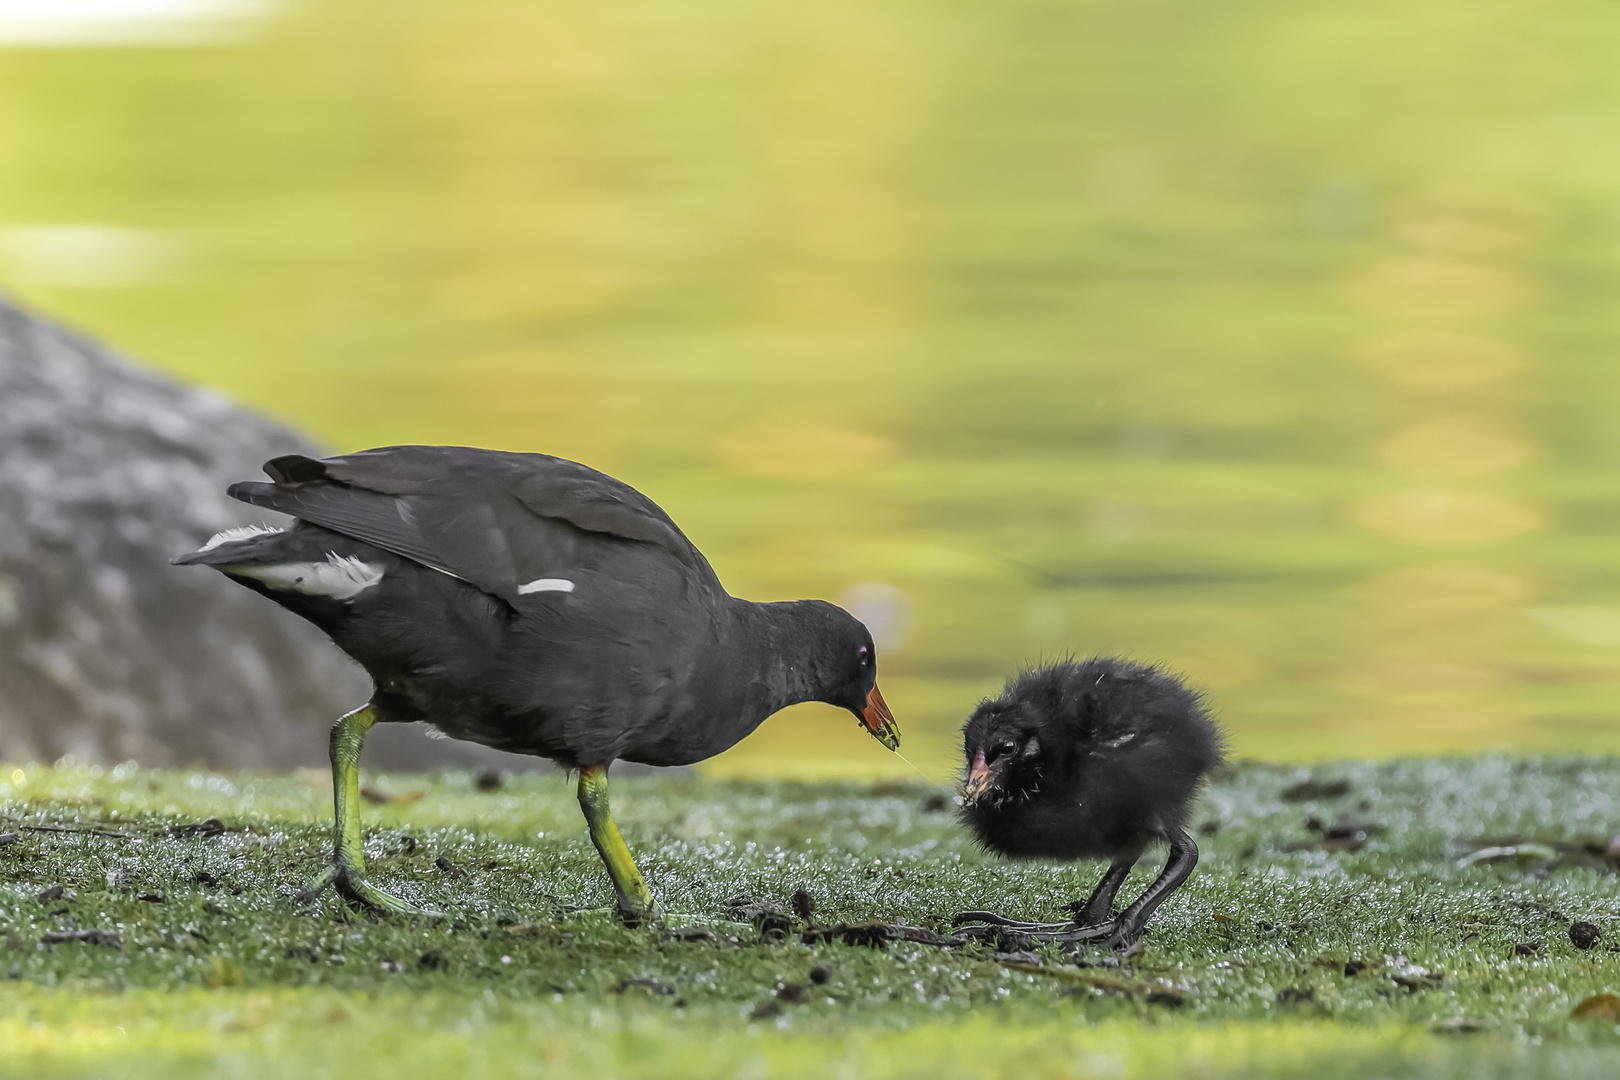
(652, 916)
(1111, 934)
(1000, 922)
(631, 917)
(352, 885)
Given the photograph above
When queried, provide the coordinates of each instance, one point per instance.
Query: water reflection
(1023, 331)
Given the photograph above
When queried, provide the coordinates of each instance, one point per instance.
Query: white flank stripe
(241, 532)
(546, 584)
(340, 577)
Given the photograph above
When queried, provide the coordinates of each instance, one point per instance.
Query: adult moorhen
(1092, 759)
(534, 605)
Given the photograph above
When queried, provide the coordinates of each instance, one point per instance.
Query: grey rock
(108, 653)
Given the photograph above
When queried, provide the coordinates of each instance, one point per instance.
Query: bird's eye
(1008, 747)
(866, 656)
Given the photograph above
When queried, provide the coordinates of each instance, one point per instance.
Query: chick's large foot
(993, 924)
(1111, 934)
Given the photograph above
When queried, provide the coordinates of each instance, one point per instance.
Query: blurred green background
(1272, 340)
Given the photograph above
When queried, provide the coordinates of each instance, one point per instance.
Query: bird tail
(244, 545)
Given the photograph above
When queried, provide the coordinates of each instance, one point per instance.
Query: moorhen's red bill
(534, 605)
(1095, 759)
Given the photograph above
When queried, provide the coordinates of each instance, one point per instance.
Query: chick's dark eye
(866, 656)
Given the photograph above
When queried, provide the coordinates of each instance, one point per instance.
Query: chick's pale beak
(880, 721)
(978, 778)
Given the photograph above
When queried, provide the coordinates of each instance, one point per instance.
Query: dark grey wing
(614, 509)
(492, 519)
(380, 520)
(547, 486)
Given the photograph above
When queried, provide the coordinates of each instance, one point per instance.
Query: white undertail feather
(241, 532)
(546, 584)
(341, 577)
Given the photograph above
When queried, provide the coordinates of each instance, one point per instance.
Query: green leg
(635, 899)
(348, 868)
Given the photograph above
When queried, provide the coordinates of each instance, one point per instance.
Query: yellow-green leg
(348, 868)
(635, 899)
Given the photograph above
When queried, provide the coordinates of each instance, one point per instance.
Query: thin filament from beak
(931, 781)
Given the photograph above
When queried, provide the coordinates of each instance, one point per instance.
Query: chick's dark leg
(1101, 904)
(1124, 930)
(348, 867)
(636, 904)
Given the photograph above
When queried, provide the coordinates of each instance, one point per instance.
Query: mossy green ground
(220, 971)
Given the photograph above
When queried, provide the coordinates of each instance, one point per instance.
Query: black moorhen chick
(534, 605)
(1084, 760)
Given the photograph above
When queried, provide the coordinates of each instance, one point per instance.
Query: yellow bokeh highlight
(1455, 446)
(1440, 360)
(1446, 517)
(1439, 289)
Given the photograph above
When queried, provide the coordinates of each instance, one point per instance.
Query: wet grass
(1370, 952)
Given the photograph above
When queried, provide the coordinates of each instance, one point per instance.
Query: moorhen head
(1082, 760)
(534, 605)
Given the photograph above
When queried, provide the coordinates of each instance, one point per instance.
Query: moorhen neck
(1085, 760)
(534, 605)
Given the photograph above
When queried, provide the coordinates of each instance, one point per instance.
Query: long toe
(318, 885)
(1098, 934)
(1032, 929)
(991, 919)
(1113, 934)
(1023, 935)
(355, 887)
(981, 917)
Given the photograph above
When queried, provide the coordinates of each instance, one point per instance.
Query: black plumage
(536, 605)
(1082, 760)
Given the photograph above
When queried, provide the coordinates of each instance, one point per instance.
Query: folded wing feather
(473, 514)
